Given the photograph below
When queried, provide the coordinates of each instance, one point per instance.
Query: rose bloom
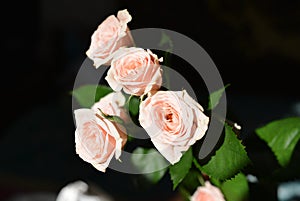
(136, 71)
(207, 193)
(111, 34)
(174, 121)
(97, 139)
(112, 104)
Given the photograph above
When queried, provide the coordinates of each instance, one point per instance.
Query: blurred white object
(289, 191)
(296, 108)
(238, 127)
(251, 178)
(79, 191)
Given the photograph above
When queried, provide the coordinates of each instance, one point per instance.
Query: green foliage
(166, 41)
(147, 160)
(190, 183)
(236, 189)
(166, 44)
(282, 137)
(192, 180)
(134, 105)
(229, 159)
(215, 97)
(87, 95)
(179, 170)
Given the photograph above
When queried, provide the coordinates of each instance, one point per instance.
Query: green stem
(184, 192)
(232, 124)
(128, 101)
(201, 180)
(216, 182)
(197, 165)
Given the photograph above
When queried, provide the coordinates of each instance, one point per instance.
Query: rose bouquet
(134, 100)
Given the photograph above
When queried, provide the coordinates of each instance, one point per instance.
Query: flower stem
(235, 127)
(184, 192)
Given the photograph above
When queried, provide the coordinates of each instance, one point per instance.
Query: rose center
(169, 117)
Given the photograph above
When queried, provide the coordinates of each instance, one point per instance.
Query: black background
(254, 44)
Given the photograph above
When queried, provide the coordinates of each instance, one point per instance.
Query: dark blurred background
(254, 44)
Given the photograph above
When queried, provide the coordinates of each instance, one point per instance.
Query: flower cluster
(173, 120)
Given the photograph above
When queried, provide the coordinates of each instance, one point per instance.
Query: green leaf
(179, 170)
(184, 193)
(229, 159)
(166, 40)
(87, 95)
(192, 180)
(129, 138)
(166, 44)
(134, 105)
(151, 162)
(282, 137)
(215, 97)
(236, 189)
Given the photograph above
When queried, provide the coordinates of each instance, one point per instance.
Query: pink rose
(207, 193)
(174, 121)
(111, 34)
(135, 70)
(97, 139)
(113, 105)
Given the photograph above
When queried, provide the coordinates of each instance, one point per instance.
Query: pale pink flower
(97, 139)
(174, 121)
(135, 70)
(111, 34)
(207, 193)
